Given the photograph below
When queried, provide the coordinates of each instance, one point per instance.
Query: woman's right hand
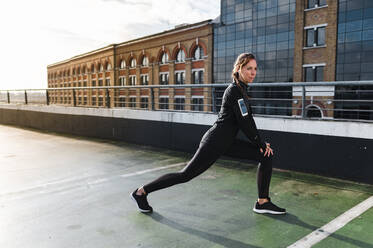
(268, 150)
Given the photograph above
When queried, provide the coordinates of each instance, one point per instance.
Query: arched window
(78, 70)
(145, 61)
(164, 58)
(198, 53)
(122, 64)
(92, 68)
(133, 62)
(313, 112)
(108, 67)
(84, 70)
(180, 57)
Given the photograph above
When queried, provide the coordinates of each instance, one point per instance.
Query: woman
(235, 114)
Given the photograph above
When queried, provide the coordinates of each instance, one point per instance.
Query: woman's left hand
(268, 151)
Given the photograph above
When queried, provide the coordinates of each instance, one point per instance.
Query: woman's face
(248, 72)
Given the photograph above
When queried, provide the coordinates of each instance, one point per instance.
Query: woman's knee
(185, 177)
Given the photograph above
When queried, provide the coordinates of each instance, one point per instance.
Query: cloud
(135, 2)
(44, 32)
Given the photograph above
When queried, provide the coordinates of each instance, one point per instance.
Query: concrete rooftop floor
(66, 191)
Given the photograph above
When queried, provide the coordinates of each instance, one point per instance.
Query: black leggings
(204, 158)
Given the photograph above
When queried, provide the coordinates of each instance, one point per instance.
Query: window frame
(122, 80)
(163, 104)
(122, 64)
(316, 35)
(177, 105)
(180, 53)
(314, 71)
(167, 59)
(143, 103)
(144, 76)
(203, 75)
(131, 79)
(316, 5)
(182, 75)
(133, 63)
(201, 53)
(132, 104)
(167, 76)
(198, 106)
(146, 63)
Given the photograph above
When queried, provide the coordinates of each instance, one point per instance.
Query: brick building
(182, 55)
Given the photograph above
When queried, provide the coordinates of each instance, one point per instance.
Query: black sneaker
(142, 202)
(268, 208)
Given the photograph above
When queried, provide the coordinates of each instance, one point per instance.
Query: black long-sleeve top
(230, 120)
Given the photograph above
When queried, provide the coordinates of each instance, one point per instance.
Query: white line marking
(151, 170)
(328, 229)
(74, 182)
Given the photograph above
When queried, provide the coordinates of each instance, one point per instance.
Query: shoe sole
(259, 211)
(141, 210)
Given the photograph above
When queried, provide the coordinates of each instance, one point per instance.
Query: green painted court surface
(64, 191)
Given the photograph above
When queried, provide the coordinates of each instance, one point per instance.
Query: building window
(122, 64)
(163, 103)
(179, 103)
(197, 104)
(180, 77)
(316, 3)
(132, 102)
(180, 57)
(197, 77)
(122, 81)
(163, 78)
(315, 36)
(107, 82)
(94, 100)
(144, 102)
(101, 67)
(144, 79)
(100, 82)
(84, 83)
(132, 79)
(92, 68)
(313, 73)
(85, 100)
(133, 62)
(100, 101)
(108, 67)
(93, 83)
(122, 101)
(145, 61)
(198, 53)
(164, 58)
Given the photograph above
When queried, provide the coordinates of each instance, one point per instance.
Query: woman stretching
(235, 114)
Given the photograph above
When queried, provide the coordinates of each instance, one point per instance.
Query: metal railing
(351, 100)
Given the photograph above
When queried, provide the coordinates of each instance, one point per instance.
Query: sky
(39, 32)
